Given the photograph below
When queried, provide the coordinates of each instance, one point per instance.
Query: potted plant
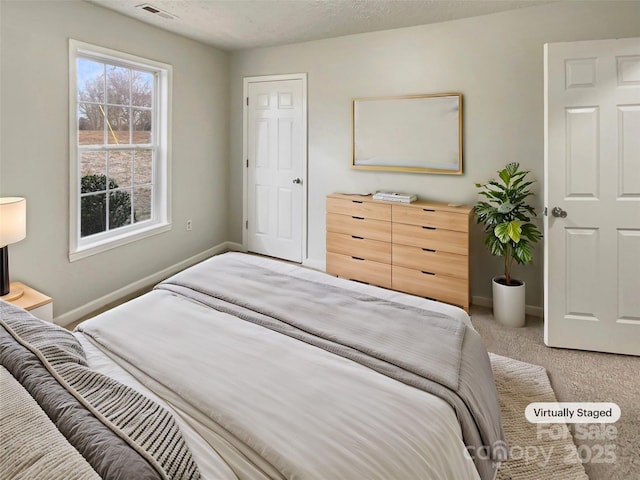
(509, 233)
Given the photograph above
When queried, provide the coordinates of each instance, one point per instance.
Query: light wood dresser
(420, 248)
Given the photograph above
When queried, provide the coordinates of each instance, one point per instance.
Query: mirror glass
(418, 133)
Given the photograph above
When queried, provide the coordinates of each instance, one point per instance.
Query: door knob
(558, 212)
(297, 181)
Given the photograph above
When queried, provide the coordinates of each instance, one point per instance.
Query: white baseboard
(235, 247)
(488, 302)
(86, 309)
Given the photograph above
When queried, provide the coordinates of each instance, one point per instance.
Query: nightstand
(38, 304)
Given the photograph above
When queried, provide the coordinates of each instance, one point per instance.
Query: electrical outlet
(189, 225)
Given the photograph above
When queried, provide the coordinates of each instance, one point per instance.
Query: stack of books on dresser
(395, 197)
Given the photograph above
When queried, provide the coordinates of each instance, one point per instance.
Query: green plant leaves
(506, 216)
(495, 246)
(512, 169)
(508, 231)
(506, 207)
(505, 176)
(513, 230)
(523, 253)
(531, 232)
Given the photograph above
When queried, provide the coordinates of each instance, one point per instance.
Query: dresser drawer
(359, 208)
(437, 287)
(355, 246)
(432, 238)
(428, 217)
(420, 248)
(439, 262)
(362, 270)
(359, 226)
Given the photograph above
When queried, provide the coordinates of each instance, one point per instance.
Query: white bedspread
(211, 465)
(274, 407)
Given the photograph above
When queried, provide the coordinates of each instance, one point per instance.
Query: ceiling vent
(156, 11)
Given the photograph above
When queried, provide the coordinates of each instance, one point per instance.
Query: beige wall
(495, 61)
(34, 150)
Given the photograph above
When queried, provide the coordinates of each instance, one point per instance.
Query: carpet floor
(579, 376)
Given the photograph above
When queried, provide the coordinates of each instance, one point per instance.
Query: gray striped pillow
(142, 423)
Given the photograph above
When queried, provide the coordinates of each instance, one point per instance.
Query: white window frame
(161, 141)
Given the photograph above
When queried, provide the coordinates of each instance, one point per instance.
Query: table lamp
(13, 228)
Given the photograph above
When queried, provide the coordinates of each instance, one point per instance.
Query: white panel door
(592, 195)
(276, 154)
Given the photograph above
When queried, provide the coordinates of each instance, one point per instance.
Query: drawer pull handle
(357, 218)
(428, 273)
(357, 237)
(429, 250)
(428, 228)
(428, 210)
(358, 258)
(356, 201)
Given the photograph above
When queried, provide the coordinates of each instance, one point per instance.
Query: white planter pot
(508, 303)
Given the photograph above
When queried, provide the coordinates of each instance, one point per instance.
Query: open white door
(592, 195)
(275, 153)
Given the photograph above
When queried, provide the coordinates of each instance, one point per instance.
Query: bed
(248, 368)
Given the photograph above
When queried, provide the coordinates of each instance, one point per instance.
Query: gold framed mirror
(412, 133)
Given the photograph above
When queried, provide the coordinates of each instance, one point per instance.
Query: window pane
(90, 81)
(117, 125)
(141, 203)
(118, 85)
(119, 208)
(90, 124)
(141, 125)
(120, 168)
(93, 163)
(94, 183)
(92, 214)
(118, 165)
(142, 167)
(141, 88)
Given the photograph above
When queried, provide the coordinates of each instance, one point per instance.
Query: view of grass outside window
(115, 145)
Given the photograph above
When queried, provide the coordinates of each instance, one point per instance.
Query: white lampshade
(13, 220)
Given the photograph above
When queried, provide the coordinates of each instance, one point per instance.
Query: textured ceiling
(241, 24)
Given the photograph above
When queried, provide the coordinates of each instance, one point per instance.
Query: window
(119, 148)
